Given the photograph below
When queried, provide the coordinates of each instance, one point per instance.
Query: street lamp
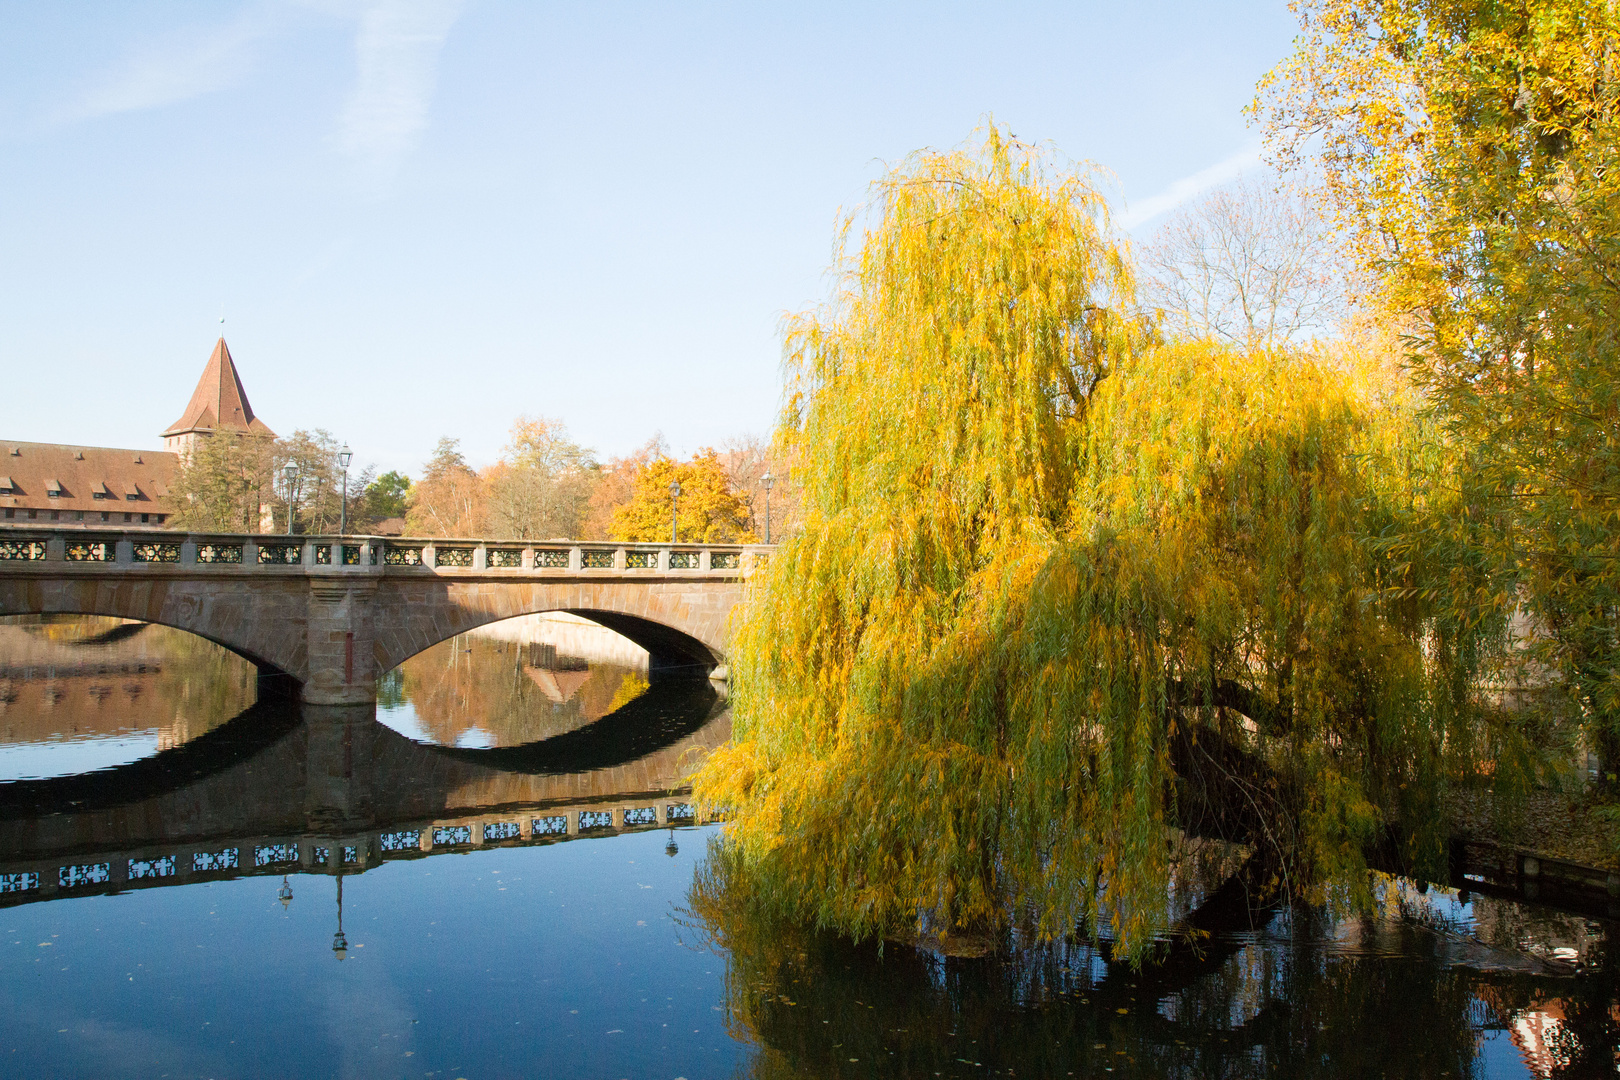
(674, 511)
(671, 848)
(767, 480)
(344, 457)
(284, 894)
(340, 944)
(291, 473)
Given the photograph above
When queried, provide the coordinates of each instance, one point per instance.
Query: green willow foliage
(1042, 557)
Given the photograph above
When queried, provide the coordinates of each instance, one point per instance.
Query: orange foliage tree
(449, 499)
(710, 511)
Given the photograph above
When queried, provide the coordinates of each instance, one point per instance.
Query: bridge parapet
(335, 612)
(23, 547)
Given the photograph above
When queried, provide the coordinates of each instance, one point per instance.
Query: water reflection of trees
(508, 693)
(1297, 995)
(87, 676)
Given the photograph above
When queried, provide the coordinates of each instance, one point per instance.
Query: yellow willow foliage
(1030, 550)
(1471, 151)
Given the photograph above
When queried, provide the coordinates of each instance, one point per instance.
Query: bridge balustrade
(370, 554)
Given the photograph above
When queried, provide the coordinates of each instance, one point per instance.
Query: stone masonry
(335, 627)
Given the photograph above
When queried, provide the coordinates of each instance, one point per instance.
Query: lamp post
(767, 480)
(674, 512)
(340, 944)
(284, 894)
(345, 456)
(291, 473)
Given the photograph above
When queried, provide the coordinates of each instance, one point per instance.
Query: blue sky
(424, 217)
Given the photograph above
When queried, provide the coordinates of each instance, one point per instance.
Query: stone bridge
(332, 613)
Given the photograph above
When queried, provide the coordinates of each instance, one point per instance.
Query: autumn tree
(709, 510)
(1471, 150)
(1250, 264)
(221, 483)
(615, 486)
(449, 499)
(748, 459)
(541, 487)
(317, 488)
(1055, 584)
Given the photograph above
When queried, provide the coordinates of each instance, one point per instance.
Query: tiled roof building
(84, 485)
(94, 486)
(218, 404)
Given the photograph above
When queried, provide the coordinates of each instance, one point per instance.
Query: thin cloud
(1189, 186)
(397, 54)
(176, 67)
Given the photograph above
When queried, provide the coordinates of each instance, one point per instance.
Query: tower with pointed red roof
(218, 405)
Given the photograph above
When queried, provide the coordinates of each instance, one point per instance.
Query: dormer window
(6, 486)
(131, 492)
(53, 489)
(100, 491)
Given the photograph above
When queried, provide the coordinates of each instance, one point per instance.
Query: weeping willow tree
(1056, 579)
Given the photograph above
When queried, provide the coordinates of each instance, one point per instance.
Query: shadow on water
(662, 716)
(241, 738)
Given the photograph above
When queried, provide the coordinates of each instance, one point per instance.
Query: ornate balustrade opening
(69, 877)
(400, 555)
(22, 550)
(156, 553)
(151, 868)
(505, 558)
(281, 554)
(88, 551)
(354, 553)
(274, 854)
(203, 861)
(219, 553)
(402, 840)
(453, 556)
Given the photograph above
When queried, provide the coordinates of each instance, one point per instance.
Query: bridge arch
(682, 631)
(279, 665)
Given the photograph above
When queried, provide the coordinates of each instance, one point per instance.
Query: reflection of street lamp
(291, 473)
(767, 480)
(284, 894)
(345, 456)
(670, 848)
(674, 511)
(340, 944)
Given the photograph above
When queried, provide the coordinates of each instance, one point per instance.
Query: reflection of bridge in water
(329, 790)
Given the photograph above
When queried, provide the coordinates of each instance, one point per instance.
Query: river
(499, 874)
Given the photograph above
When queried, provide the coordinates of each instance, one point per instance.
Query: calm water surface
(172, 854)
